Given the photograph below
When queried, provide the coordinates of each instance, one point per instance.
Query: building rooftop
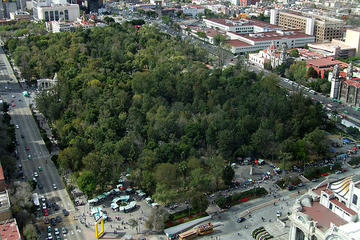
(4, 201)
(1, 173)
(9, 230)
(242, 22)
(273, 35)
(237, 43)
(326, 62)
(343, 207)
(357, 85)
(323, 216)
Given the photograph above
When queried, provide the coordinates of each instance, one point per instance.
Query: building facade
(252, 42)
(272, 55)
(322, 27)
(55, 11)
(240, 26)
(329, 211)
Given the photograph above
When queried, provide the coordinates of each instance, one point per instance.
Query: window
(51, 15)
(66, 14)
(325, 196)
(330, 206)
(355, 199)
(46, 16)
(57, 15)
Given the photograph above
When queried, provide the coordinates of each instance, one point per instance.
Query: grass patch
(237, 198)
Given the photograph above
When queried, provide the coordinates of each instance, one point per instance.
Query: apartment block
(323, 28)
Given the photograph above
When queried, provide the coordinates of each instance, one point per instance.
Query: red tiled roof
(353, 83)
(238, 43)
(343, 207)
(325, 62)
(9, 230)
(1, 173)
(328, 191)
(323, 215)
(319, 189)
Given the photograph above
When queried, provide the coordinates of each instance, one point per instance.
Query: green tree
(228, 175)
(157, 218)
(87, 182)
(294, 53)
(165, 173)
(199, 202)
(30, 232)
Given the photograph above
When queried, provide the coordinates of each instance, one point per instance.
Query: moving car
(17, 126)
(54, 186)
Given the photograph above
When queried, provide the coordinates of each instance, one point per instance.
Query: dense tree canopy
(145, 101)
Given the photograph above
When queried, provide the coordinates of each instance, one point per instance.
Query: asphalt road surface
(28, 136)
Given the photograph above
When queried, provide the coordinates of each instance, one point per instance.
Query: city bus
(188, 235)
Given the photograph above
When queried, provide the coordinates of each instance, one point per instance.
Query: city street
(31, 149)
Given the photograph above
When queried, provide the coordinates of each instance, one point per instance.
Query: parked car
(53, 222)
(66, 213)
(64, 230)
(278, 213)
(241, 219)
(291, 187)
(58, 219)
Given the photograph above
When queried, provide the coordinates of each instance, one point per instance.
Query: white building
(240, 26)
(48, 10)
(252, 42)
(328, 212)
(271, 55)
(193, 10)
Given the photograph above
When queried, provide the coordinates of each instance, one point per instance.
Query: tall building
(322, 27)
(48, 10)
(92, 5)
(6, 8)
(329, 211)
(353, 39)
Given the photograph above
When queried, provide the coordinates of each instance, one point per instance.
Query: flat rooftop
(323, 216)
(4, 201)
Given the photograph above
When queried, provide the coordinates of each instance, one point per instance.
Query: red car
(343, 170)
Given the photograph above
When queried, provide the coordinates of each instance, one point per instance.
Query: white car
(17, 126)
(43, 206)
(54, 186)
(50, 236)
(36, 174)
(278, 213)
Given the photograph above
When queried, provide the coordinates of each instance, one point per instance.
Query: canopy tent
(121, 198)
(114, 206)
(92, 201)
(26, 93)
(102, 196)
(95, 210)
(128, 207)
(155, 204)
